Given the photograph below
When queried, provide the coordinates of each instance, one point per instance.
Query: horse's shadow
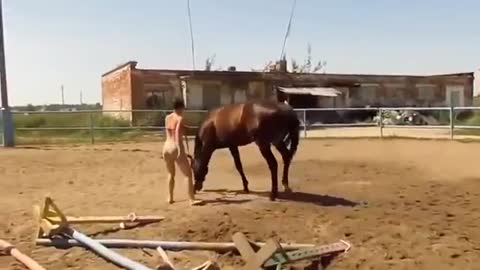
(302, 197)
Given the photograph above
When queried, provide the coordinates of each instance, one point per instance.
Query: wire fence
(96, 125)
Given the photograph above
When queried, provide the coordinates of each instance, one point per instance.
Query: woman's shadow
(302, 197)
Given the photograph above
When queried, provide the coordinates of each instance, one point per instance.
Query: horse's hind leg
(238, 164)
(273, 166)
(282, 148)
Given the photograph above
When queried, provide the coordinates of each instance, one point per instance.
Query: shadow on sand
(117, 229)
(225, 201)
(301, 197)
(321, 200)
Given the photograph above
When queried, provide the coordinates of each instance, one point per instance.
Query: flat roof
(260, 74)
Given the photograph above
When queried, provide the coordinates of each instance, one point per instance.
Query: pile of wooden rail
(54, 228)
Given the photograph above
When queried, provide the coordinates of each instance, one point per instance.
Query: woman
(174, 151)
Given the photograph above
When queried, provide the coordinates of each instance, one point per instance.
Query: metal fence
(315, 122)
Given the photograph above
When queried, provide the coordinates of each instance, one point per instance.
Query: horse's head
(199, 164)
(199, 173)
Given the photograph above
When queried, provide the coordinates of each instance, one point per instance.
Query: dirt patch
(403, 204)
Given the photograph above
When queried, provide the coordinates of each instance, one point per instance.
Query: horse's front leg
(238, 164)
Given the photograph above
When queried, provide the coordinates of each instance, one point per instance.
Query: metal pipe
(19, 256)
(467, 127)
(380, 113)
(167, 245)
(305, 124)
(416, 127)
(452, 121)
(92, 129)
(296, 109)
(104, 252)
(8, 128)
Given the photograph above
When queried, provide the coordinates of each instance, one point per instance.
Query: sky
(55, 42)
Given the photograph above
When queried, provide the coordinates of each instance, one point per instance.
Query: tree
(295, 67)
(307, 67)
(30, 108)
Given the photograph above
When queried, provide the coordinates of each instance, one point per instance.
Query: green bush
(83, 121)
(153, 119)
(51, 120)
(474, 120)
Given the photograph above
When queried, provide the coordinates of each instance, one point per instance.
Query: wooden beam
(19, 256)
(166, 245)
(255, 260)
(49, 216)
(106, 219)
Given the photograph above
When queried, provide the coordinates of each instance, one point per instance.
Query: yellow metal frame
(50, 220)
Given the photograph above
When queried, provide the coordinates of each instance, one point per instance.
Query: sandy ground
(417, 203)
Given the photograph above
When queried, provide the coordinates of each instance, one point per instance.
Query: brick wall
(116, 91)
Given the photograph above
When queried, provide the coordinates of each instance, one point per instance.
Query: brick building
(129, 88)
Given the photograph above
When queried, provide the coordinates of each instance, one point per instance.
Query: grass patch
(78, 131)
(77, 127)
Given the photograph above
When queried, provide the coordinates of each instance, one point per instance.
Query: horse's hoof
(273, 197)
(246, 191)
(288, 190)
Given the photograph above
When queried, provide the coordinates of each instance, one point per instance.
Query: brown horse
(231, 126)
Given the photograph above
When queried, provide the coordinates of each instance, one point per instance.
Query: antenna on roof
(191, 33)
(287, 33)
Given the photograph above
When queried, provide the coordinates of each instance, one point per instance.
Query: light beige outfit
(176, 154)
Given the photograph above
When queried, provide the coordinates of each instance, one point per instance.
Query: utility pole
(63, 95)
(81, 97)
(6, 114)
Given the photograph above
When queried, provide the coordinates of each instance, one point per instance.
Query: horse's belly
(236, 139)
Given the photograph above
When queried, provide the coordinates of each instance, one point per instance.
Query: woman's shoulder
(173, 118)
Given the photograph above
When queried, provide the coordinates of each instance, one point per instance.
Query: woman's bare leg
(186, 169)
(170, 165)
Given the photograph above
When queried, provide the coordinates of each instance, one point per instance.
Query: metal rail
(92, 126)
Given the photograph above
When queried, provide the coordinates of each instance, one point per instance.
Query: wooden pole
(19, 256)
(166, 245)
(106, 219)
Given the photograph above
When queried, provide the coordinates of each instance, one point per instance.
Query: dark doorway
(302, 101)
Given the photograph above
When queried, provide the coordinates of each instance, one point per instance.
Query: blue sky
(54, 42)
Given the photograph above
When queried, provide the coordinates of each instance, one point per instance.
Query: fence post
(380, 118)
(452, 121)
(305, 123)
(8, 128)
(92, 129)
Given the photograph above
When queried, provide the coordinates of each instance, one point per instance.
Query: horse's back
(275, 119)
(243, 123)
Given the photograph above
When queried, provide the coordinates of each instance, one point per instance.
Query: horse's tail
(294, 134)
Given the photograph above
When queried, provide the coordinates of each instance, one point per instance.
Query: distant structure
(129, 88)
